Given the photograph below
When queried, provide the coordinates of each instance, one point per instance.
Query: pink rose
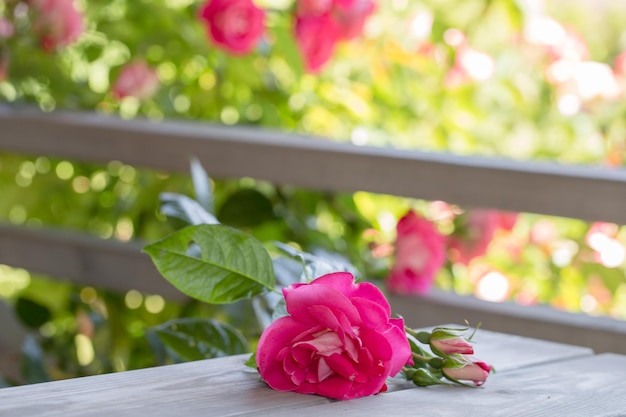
(620, 64)
(474, 235)
(313, 8)
(338, 341)
(351, 16)
(420, 253)
(316, 38)
(136, 79)
(234, 25)
(6, 28)
(464, 369)
(57, 22)
(452, 345)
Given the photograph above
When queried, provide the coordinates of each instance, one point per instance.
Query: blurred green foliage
(387, 88)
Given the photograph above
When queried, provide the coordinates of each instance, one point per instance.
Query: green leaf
(186, 209)
(202, 186)
(251, 362)
(196, 338)
(31, 313)
(232, 264)
(246, 207)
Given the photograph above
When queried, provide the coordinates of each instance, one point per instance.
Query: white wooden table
(534, 378)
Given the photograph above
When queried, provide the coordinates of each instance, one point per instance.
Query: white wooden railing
(590, 193)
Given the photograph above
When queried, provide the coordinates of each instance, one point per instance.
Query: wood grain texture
(585, 387)
(214, 387)
(225, 386)
(548, 188)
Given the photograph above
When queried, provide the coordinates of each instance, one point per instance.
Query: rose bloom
(234, 25)
(313, 8)
(351, 16)
(338, 340)
(6, 28)
(420, 253)
(316, 38)
(477, 372)
(57, 22)
(136, 79)
(475, 236)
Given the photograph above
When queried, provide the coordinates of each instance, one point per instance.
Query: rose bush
(316, 37)
(57, 22)
(338, 340)
(420, 253)
(234, 25)
(136, 79)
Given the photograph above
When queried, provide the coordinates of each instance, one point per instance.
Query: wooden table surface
(534, 378)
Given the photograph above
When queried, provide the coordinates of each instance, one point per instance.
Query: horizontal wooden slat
(591, 193)
(82, 259)
(121, 266)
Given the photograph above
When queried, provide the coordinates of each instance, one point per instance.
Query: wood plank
(590, 386)
(548, 188)
(83, 259)
(220, 386)
(223, 386)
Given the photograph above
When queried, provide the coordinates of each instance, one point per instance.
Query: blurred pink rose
(57, 22)
(464, 369)
(6, 28)
(351, 16)
(473, 236)
(316, 38)
(313, 8)
(136, 79)
(420, 253)
(234, 25)
(338, 341)
(620, 64)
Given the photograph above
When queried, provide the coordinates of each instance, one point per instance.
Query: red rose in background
(57, 22)
(420, 253)
(136, 79)
(351, 15)
(313, 7)
(338, 340)
(234, 25)
(320, 24)
(316, 38)
(475, 232)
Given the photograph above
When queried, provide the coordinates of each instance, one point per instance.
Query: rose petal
(300, 300)
(335, 387)
(401, 348)
(278, 335)
(373, 315)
